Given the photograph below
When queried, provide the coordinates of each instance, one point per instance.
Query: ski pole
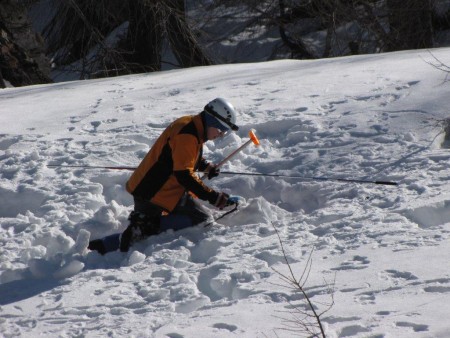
(253, 139)
(88, 167)
(309, 178)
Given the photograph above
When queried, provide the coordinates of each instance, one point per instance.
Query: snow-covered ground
(382, 250)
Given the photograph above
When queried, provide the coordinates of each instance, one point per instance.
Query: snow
(382, 250)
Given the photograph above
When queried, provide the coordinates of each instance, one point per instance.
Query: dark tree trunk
(2, 82)
(145, 36)
(297, 47)
(410, 24)
(15, 65)
(22, 59)
(81, 25)
(182, 40)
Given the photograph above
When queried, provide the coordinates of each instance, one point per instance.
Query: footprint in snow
(75, 119)
(366, 298)
(127, 107)
(415, 327)
(174, 335)
(174, 92)
(253, 83)
(223, 326)
(95, 124)
(353, 330)
(96, 104)
(397, 277)
(357, 263)
(407, 86)
(441, 285)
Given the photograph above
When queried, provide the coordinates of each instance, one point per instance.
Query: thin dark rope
(223, 215)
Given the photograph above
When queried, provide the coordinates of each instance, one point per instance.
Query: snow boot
(97, 245)
(140, 228)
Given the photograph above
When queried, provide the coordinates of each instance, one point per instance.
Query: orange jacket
(168, 169)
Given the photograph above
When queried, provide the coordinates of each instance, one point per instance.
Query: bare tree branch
(113, 37)
(307, 321)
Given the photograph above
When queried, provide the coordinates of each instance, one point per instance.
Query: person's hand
(222, 200)
(212, 171)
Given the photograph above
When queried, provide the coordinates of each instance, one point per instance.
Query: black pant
(187, 206)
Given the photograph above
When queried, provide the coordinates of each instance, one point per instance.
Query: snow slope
(383, 250)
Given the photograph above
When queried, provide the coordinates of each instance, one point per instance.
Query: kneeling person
(167, 174)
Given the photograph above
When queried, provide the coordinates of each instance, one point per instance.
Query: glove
(221, 201)
(212, 170)
(233, 200)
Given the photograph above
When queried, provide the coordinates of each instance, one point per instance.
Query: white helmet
(223, 111)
